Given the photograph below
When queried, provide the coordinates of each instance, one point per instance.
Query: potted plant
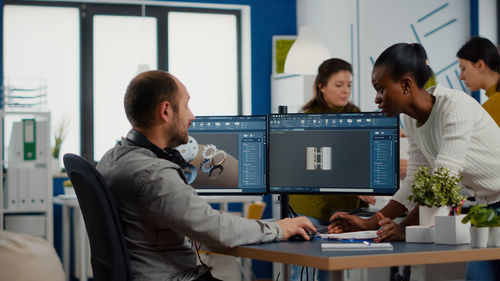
(481, 219)
(435, 193)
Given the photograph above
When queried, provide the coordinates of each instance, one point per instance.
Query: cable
(278, 276)
(301, 272)
(197, 248)
(292, 211)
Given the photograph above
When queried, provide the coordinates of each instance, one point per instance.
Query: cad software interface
(227, 154)
(353, 153)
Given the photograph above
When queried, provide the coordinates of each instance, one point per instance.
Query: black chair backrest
(109, 255)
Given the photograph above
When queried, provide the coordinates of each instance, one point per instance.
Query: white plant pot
(450, 230)
(426, 214)
(494, 237)
(55, 166)
(479, 237)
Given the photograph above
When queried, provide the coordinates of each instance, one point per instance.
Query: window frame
(158, 10)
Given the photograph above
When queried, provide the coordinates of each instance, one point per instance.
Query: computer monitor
(227, 154)
(349, 153)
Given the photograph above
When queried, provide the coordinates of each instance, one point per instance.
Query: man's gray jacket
(161, 214)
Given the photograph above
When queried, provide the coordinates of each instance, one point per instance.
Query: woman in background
(480, 69)
(332, 89)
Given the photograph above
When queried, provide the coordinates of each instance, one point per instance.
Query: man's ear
(164, 111)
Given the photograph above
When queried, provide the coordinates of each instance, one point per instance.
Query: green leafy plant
(437, 189)
(481, 216)
(59, 136)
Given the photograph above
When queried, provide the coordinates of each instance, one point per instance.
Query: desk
(68, 202)
(308, 253)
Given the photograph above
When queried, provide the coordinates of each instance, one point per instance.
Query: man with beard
(162, 216)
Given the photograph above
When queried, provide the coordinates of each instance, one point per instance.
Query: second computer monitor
(227, 154)
(349, 153)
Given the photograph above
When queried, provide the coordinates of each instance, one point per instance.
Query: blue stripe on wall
(446, 68)
(440, 27)
(415, 33)
(433, 12)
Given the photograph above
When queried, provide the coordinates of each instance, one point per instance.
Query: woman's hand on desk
(344, 222)
(389, 230)
(296, 226)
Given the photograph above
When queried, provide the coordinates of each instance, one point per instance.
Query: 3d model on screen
(208, 166)
(318, 158)
(213, 160)
(189, 151)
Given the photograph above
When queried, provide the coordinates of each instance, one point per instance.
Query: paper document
(356, 246)
(356, 235)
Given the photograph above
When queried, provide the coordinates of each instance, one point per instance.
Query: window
(41, 47)
(203, 54)
(87, 54)
(134, 38)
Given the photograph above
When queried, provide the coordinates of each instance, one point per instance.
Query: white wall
(382, 23)
(488, 19)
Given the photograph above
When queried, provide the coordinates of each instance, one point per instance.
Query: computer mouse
(298, 237)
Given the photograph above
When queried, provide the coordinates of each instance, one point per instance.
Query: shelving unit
(31, 177)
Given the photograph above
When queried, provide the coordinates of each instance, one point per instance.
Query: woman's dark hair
(325, 71)
(145, 92)
(478, 48)
(403, 58)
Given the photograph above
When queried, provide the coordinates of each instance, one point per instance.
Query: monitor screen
(227, 154)
(350, 153)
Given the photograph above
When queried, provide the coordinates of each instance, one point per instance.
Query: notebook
(356, 246)
(356, 235)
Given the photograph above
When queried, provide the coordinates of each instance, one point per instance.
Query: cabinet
(26, 188)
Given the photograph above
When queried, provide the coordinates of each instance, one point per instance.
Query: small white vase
(426, 214)
(494, 237)
(55, 167)
(479, 237)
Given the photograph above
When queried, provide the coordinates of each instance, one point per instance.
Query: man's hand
(294, 226)
(344, 222)
(389, 230)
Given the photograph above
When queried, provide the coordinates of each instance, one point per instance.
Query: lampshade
(306, 53)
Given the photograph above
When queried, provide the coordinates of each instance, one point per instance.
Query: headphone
(170, 154)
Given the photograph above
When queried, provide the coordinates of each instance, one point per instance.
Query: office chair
(109, 254)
